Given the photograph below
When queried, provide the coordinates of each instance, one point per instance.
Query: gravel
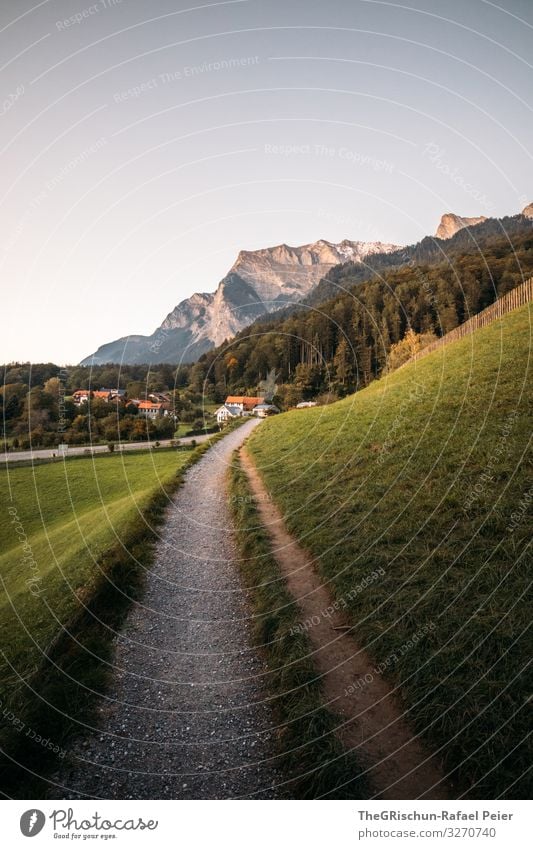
(186, 715)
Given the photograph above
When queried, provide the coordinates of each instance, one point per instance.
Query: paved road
(76, 450)
(186, 715)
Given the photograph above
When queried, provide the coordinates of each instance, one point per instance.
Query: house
(110, 394)
(245, 403)
(80, 396)
(151, 410)
(264, 410)
(227, 412)
(160, 397)
(304, 404)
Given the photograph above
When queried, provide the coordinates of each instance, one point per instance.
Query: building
(264, 410)
(245, 403)
(151, 410)
(304, 404)
(81, 396)
(227, 412)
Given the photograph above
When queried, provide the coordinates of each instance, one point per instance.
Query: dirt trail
(185, 716)
(376, 726)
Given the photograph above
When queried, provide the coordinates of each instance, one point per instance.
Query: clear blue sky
(144, 144)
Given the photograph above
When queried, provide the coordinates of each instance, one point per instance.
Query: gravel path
(186, 716)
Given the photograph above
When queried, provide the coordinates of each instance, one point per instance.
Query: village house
(227, 412)
(264, 410)
(81, 396)
(151, 409)
(244, 402)
(244, 405)
(159, 397)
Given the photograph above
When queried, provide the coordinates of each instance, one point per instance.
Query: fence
(517, 297)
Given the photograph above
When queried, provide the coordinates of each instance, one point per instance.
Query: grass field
(73, 532)
(426, 474)
(61, 518)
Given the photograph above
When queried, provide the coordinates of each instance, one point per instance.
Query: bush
(111, 446)
(407, 347)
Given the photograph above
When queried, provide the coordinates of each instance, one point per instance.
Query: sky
(144, 144)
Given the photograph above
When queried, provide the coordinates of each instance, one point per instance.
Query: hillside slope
(425, 474)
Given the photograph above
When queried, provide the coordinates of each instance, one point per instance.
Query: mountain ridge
(258, 283)
(279, 278)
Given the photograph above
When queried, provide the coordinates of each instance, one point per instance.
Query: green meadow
(60, 518)
(425, 474)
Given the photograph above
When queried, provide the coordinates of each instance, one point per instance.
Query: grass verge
(311, 756)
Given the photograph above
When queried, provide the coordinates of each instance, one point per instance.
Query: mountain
(259, 282)
(471, 238)
(450, 224)
(343, 343)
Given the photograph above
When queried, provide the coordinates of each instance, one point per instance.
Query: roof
(265, 407)
(245, 400)
(148, 405)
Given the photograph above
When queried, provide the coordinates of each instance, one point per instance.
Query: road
(186, 714)
(77, 450)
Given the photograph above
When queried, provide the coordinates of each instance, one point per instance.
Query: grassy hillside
(74, 546)
(425, 474)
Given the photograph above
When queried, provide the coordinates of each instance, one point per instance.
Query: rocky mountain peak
(451, 223)
(259, 282)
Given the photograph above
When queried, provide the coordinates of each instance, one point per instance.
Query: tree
(303, 381)
(53, 387)
(342, 362)
(142, 429)
(407, 347)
